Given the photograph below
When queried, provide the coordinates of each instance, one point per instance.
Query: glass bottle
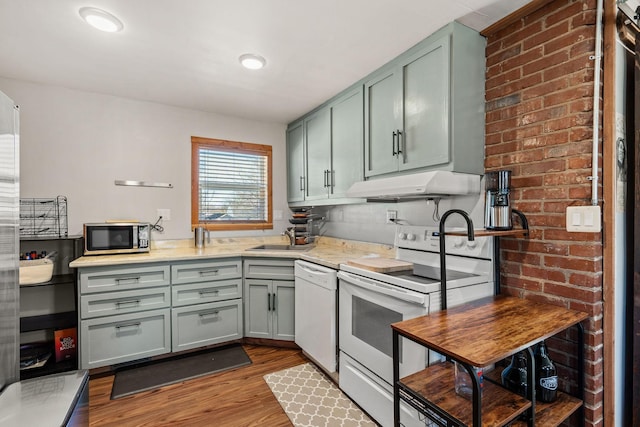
(505, 372)
(515, 379)
(547, 378)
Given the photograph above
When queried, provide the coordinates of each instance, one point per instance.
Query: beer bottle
(516, 377)
(547, 378)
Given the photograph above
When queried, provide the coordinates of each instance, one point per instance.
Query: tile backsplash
(367, 221)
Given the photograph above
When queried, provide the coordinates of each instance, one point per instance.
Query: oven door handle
(383, 288)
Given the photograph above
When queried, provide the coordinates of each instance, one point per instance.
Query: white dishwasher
(315, 313)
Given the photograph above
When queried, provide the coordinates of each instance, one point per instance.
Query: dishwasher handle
(383, 288)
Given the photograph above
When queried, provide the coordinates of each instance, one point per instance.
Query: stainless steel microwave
(116, 238)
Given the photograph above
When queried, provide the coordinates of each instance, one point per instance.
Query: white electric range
(370, 301)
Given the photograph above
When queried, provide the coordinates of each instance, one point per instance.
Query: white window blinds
(232, 184)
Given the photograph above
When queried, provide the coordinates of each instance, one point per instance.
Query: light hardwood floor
(234, 398)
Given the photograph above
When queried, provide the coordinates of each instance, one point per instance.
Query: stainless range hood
(416, 186)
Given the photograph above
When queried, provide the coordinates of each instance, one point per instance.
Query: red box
(65, 341)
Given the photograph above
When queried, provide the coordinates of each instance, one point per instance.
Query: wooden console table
(479, 334)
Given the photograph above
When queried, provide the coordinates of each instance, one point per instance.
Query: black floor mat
(157, 374)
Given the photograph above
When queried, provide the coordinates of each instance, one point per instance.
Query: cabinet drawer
(278, 269)
(191, 272)
(110, 303)
(117, 339)
(198, 293)
(205, 324)
(101, 279)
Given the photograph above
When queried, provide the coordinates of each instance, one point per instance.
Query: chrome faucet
(292, 235)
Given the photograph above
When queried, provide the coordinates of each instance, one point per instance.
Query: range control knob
(411, 236)
(458, 241)
(472, 244)
(402, 236)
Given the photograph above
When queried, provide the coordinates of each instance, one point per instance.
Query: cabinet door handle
(127, 325)
(204, 273)
(400, 142)
(269, 301)
(214, 313)
(273, 305)
(324, 182)
(135, 302)
(205, 292)
(124, 280)
(393, 142)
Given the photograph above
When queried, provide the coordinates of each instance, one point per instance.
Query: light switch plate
(584, 219)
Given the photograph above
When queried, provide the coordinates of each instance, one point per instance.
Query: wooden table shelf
(436, 384)
(483, 333)
(547, 414)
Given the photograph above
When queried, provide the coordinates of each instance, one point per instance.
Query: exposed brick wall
(539, 95)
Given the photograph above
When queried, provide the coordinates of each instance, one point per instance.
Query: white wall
(76, 144)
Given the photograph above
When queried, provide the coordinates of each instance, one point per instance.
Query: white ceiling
(185, 53)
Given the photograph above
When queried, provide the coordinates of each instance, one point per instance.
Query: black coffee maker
(497, 214)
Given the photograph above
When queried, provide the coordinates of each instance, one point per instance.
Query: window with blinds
(231, 185)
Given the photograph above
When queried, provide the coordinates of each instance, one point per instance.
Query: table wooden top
(488, 330)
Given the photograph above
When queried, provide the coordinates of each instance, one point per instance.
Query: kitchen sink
(281, 248)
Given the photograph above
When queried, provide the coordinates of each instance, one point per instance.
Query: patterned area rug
(310, 399)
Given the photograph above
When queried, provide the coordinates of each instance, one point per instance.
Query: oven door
(367, 308)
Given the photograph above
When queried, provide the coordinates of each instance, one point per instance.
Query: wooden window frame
(235, 147)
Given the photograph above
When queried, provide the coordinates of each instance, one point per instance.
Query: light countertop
(43, 401)
(327, 251)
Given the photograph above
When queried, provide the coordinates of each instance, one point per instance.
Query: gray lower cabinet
(126, 277)
(116, 339)
(206, 303)
(269, 301)
(125, 313)
(199, 325)
(130, 312)
(205, 271)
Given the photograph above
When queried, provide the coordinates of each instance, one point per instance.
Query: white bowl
(35, 271)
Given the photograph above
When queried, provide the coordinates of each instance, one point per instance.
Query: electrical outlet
(391, 216)
(583, 219)
(165, 214)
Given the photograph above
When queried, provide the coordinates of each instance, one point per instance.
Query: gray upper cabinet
(347, 127)
(332, 139)
(318, 138)
(406, 109)
(425, 110)
(296, 183)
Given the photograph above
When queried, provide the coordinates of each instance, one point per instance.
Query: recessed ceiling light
(252, 62)
(101, 20)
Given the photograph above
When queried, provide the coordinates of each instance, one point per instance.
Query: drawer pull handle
(209, 314)
(128, 279)
(205, 292)
(135, 302)
(209, 272)
(128, 325)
